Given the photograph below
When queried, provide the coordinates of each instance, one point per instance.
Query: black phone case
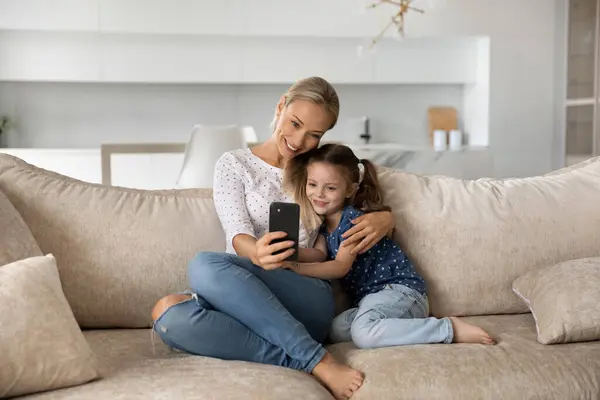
(285, 217)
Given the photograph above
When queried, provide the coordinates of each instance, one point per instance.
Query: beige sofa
(118, 250)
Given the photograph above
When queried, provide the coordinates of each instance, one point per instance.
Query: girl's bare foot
(341, 380)
(467, 333)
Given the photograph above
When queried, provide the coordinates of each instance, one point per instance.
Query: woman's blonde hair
(368, 196)
(316, 90)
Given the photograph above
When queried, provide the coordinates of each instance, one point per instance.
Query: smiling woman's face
(300, 127)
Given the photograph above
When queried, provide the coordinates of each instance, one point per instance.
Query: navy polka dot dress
(384, 264)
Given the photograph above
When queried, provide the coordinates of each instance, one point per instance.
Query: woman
(244, 305)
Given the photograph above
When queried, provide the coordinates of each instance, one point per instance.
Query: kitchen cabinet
(582, 111)
(36, 56)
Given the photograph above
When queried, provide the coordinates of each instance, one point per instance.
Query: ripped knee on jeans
(169, 301)
(161, 307)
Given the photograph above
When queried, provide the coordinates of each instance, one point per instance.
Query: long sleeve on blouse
(230, 199)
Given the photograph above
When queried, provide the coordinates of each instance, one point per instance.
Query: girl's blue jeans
(240, 311)
(394, 316)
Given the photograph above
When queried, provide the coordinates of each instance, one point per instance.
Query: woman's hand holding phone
(264, 250)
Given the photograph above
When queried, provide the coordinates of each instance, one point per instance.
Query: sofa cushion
(141, 370)
(471, 239)
(119, 250)
(16, 240)
(516, 368)
(564, 300)
(41, 344)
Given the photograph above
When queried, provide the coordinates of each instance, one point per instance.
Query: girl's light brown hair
(368, 197)
(316, 90)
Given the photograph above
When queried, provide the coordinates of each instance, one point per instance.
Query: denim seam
(408, 311)
(450, 332)
(418, 298)
(316, 359)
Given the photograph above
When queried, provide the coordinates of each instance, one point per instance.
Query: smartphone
(285, 217)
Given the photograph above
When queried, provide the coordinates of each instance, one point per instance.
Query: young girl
(389, 299)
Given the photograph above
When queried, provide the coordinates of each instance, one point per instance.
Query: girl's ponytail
(369, 196)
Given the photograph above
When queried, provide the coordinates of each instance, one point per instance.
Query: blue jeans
(242, 312)
(394, 316)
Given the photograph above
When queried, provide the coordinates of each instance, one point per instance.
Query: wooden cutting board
(445, 118)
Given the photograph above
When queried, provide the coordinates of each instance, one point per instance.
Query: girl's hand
(368, 229)
(264, 251)
(290, 265)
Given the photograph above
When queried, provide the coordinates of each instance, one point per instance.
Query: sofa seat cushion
(137, 369)
(518, 367)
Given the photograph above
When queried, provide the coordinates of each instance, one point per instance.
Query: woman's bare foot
(341, 380)
(166, 302)
(467, 333)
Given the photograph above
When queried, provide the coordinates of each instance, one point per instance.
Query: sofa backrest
(471, 239)
(118, 250)
(16, 241)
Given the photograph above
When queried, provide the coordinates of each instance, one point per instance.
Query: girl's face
(327, 189)
(300, 127)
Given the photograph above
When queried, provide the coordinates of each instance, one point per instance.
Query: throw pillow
(564, 300)
(16, 240)
(41, 344)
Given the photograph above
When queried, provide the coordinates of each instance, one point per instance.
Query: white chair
(250, 136)
(206, 145)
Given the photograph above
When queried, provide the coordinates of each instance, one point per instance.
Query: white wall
(41, 56)
(524, 80)
(477, 98)
(75, 89)
(85, 115)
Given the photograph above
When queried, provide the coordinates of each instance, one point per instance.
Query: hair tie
(361, 171)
